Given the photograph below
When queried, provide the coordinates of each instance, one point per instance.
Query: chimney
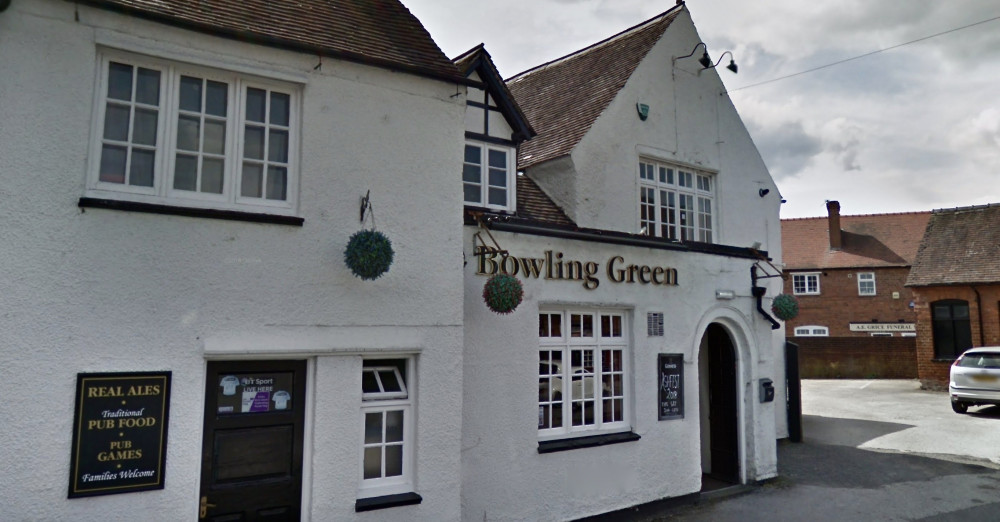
(833, 209)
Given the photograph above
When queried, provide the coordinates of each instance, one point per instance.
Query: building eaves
(564, 97)
(478, 59)
(381, 33)
(961, 247)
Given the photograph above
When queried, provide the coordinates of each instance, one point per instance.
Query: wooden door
(251, 463)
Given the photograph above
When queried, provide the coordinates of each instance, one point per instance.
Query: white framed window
(582, 373)
(488, 176)
(676, 202)
(805, 284)
(191, 136)
(866, 283)
(812, 331)
(387, 440)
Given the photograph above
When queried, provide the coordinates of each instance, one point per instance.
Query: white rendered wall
(503, 475)
(691, 122)
(108, 291)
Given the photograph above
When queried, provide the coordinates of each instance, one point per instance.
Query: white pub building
(203, 319)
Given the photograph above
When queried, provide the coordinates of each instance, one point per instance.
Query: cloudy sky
(913, 128)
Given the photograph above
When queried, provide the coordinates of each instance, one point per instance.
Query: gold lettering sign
(554, 266)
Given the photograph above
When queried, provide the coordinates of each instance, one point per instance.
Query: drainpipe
(758, 292)
(979, 309)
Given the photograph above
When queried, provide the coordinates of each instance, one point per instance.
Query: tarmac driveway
(879, 451)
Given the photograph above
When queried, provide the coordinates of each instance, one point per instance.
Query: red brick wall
(984, 309)
(839, 304)
(857, 357)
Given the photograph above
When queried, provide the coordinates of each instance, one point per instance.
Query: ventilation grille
(654, 324)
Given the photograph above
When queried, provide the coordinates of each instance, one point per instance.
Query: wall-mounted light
(706, 60)
(725, 294)
(763, 192)
(732, 62)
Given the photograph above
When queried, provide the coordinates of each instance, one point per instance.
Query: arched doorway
(719, 408)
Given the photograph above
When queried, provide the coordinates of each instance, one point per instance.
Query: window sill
(386, 501)
(552, 446)
(232, 215)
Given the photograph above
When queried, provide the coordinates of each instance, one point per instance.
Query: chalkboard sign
(671, 385)
(119, 433)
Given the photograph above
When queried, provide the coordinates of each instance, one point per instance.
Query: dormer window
(488, 176)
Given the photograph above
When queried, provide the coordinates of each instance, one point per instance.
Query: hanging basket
(368, 254)
(503, 293)
(785, 307)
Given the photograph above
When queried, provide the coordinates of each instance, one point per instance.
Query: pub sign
(119, 433)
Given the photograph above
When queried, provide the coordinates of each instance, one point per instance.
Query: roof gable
(873, 240)
(478, 62)
(563, 98)
(382, 33)
(961, 246)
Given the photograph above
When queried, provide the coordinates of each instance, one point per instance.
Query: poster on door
(119, 433)
(670, 368)
(255, 393)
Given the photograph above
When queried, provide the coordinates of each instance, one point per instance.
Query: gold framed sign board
(119, 433)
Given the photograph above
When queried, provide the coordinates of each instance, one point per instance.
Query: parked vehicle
(975, 379)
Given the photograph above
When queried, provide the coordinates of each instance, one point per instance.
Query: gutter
(614, 238)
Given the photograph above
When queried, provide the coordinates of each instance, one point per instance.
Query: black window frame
(952, 335)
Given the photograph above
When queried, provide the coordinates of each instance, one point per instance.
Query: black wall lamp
(706, 60)
(732, 62)
(763, 192)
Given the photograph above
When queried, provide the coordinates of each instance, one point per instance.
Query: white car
(975, 379)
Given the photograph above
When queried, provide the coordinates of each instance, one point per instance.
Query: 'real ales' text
(553, 266)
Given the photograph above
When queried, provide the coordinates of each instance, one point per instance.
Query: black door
(251, 461)
(722, 409)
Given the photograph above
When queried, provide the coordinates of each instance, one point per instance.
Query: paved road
(875, 451)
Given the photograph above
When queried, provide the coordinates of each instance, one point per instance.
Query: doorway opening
(719, 409)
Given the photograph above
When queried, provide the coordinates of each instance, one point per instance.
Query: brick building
(849, 275)
(955, 281)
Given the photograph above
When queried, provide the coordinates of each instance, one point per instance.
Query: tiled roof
(873, 240)
(961, 246)
(535, 205)
(377, 32)
(563, 98)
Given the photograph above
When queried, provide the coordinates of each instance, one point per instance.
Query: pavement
(878, 450)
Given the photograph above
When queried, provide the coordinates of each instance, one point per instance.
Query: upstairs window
(488, 176)
(866, 283)
(181, 135)
(805, 284)
(676, 203)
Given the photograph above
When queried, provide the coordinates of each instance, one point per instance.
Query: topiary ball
(503, 293)
(785, 307)
(368, 254)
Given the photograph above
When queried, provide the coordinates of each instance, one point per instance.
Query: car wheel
(959, 407)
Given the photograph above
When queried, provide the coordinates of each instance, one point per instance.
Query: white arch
(737, 325)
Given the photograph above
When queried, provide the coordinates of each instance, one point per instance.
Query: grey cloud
(786, 148)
